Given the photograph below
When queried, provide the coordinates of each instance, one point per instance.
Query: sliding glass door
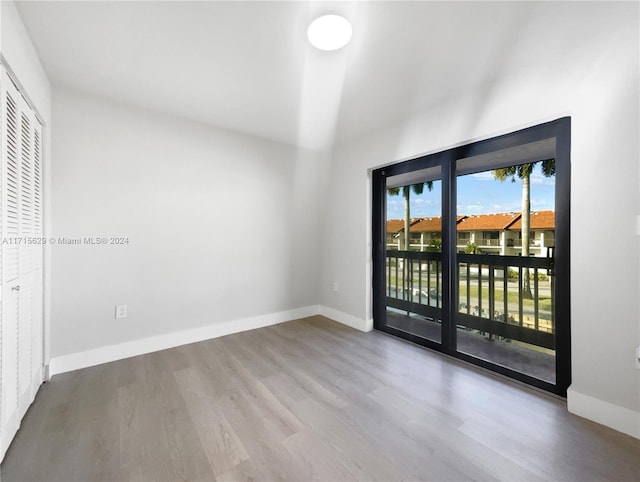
(413, 258)
(471, 253)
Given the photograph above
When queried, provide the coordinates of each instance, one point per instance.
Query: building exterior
(395, 230)
(542, 227)
(497, 233)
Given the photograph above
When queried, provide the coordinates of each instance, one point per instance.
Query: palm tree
(523, 172)
(418, 189)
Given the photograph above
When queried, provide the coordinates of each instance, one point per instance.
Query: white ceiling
(247, 66)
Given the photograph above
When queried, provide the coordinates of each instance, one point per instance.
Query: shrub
(435, 246)
(471, 248)
(513, 274)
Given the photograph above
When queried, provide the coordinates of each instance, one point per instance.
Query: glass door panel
(505, 266)
(413, 255)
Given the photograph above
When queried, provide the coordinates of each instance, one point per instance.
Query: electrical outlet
(335, 286)
(121, 311)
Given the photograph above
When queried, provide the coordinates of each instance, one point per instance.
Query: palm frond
(549, 168)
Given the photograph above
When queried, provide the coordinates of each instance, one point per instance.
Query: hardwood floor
(306, 400)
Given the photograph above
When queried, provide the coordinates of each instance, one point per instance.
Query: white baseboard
(606, 413)
(105, 354)
(346, 319)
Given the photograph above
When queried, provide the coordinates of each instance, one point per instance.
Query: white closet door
(25, 249)
(21, 328)
(37, 194)
(37, 334)
(9, 184)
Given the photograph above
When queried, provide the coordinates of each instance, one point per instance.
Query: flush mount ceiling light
(329, 32)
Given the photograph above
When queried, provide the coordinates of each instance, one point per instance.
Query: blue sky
(477, 194)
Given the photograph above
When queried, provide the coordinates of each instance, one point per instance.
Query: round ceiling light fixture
(329, 32)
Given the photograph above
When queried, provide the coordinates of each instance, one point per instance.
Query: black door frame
(560, 131)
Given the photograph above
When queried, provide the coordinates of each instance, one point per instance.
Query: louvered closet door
(21, 259)
(36, 306)
(9, 183)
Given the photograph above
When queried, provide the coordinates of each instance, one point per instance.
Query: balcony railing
(492, 294)
(414, 282)
(548, 242)
(489, 242)
(494, 297)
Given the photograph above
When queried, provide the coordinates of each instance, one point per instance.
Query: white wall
(222, 228)
(21, 61)
(595, 80)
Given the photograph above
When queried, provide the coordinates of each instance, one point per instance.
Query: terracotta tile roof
(430, 225)
(476, 222)
(538, 220)
(397, 225)
(487, 222)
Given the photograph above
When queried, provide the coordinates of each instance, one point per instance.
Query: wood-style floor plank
(217, 436)
(306, 400)
(156, 427)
